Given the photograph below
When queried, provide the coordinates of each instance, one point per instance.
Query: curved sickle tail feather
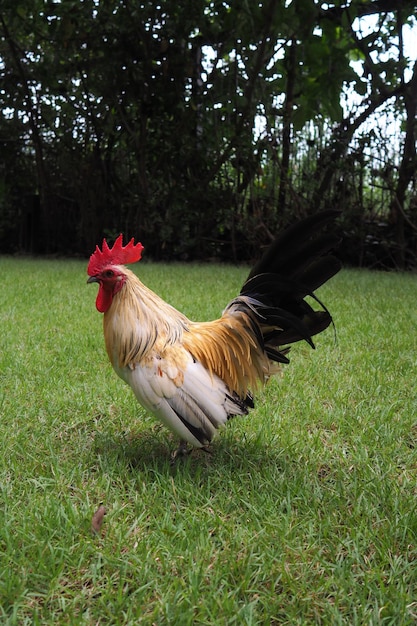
(297, 263)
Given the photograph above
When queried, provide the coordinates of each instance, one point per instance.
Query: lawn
(304, 512)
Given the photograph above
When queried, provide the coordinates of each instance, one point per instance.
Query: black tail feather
(318, 272)
(290, 248)
(296, 264)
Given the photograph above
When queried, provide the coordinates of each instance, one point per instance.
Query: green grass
(304, 513)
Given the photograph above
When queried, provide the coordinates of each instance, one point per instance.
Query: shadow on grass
(150, 451)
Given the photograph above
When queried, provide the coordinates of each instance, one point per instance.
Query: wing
(179, 390)
(232, 348)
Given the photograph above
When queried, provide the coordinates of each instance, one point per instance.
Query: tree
(186, 122)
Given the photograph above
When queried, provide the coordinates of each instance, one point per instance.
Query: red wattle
(103, 300)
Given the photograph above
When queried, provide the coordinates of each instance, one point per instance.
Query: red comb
(117, 255)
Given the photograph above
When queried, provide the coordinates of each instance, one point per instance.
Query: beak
(93, 279)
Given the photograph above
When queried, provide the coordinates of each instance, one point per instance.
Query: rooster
(194, 376)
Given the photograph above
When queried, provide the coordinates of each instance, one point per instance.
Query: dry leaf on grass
(97, 520)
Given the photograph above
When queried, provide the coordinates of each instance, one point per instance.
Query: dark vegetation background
(205, 126)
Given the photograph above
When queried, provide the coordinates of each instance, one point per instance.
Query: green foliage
(304, 513)
(161, 118)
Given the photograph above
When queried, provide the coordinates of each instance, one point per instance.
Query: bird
(195, 376)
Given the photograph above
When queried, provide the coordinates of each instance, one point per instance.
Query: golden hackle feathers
(138, 322)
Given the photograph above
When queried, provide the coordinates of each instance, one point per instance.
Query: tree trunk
(406, 171)
(286, 128)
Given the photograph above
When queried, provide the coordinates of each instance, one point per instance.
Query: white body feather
(202, 400)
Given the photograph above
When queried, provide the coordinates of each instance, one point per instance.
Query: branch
(335, 13)
(328, 162)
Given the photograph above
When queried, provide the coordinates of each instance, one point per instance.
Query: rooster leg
(182, 450)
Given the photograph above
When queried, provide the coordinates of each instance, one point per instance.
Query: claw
(182, 450)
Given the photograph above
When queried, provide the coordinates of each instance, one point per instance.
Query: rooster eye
(109, 273)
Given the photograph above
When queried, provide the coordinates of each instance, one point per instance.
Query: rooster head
(104, 268)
